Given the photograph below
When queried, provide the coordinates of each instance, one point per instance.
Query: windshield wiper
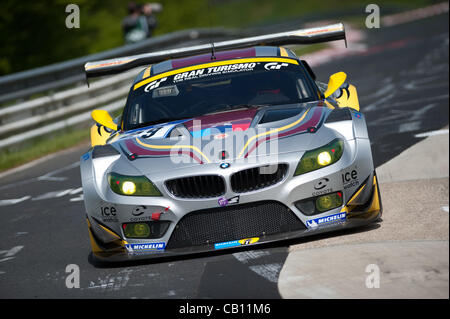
(248, 106)
(160, 121)
(236, 107)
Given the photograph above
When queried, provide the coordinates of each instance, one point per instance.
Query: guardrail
(55, 76)
(58, 110)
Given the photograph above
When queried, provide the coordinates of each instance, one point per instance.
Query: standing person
(134, 25)
(149, 11)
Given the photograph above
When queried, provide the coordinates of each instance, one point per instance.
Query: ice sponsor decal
(316, 222)
(274, 65)
(145, 247)
(109, 214)
(235, 243)
(350, 179)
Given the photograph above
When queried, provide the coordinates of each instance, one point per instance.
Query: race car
(225, 146)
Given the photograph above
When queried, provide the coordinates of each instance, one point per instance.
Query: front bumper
(356, 215)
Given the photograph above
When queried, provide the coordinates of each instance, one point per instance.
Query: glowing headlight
(132, 185)
(324, 158)
(320, 157)
(128, 188)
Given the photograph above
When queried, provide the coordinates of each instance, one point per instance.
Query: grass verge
(42, 146)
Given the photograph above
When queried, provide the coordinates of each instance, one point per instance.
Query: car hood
(226, 136)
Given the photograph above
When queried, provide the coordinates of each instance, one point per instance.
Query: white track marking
(9, 254)
(20, 233)
(268, 271)
(13, 251)
(6, 259)
(7, 202)
(113, 283)
(445, 208)
(50, 177)
(76, 191)
(49, 195)
(414, 15)
(55, 194)
(46, 177)
(432, 133)
(77, 199)
(245, 256)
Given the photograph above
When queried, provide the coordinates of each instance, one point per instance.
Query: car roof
(258, 51)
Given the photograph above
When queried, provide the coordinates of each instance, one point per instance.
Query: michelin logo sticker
(313, 223)
(145, 247)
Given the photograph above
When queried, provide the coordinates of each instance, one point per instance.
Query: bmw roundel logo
(224, 165)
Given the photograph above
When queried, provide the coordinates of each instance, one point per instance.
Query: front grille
(258, 177)
(204, 186)
(236, 222)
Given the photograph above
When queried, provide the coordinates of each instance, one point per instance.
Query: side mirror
(334, 83)
(102, 117)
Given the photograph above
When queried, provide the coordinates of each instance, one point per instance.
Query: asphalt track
(402, 81)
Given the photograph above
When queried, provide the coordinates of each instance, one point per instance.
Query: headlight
(132, 185)
(136, 230)
(320, 157)
(329, 201)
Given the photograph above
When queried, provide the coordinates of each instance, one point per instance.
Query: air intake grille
(258, 177)
(204, 186)
(222, 224)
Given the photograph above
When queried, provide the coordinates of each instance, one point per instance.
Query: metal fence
(65, 100)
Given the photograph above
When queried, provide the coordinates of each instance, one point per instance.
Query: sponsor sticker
(235, 243)
(350, 179)
(154, 84)
(313, 223)
(145, 247)
(358, 115)
(215, 70)
(143, 213)
(85, 156)
(321, 187)
(109, 214)
(274, 65)
(224, 202)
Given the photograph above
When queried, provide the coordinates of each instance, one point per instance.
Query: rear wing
(302, 36)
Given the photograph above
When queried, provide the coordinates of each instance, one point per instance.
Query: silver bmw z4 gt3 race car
(225, 148)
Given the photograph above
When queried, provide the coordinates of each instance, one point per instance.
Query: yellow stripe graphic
(211, 64)
(147, 72)
(273, 131)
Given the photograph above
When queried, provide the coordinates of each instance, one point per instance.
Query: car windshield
(216, 89)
